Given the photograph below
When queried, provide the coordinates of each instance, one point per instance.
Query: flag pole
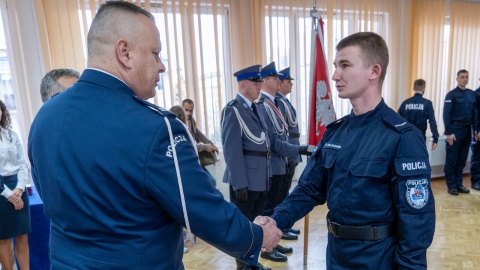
(307, 216)
(313, 14)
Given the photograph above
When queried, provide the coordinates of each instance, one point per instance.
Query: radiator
(437, 157)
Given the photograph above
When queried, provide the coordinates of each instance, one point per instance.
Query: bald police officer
(120, 177)
(417, 110)
(246, 149)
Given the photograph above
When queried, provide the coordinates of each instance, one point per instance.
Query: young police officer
(372, 170)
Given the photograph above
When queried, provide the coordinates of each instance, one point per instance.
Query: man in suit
(56, 81)
(246, 148)
(203, 143)
(119, 177)
(281, 150)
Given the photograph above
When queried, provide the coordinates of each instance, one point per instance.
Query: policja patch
(417, 193)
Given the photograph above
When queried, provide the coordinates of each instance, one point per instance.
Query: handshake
(271, 234)
(306, 150)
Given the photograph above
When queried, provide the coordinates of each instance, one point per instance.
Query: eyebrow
(341, 61)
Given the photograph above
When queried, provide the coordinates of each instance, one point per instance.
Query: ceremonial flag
(322, 112)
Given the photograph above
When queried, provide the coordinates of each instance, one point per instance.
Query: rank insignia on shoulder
(417, 193)
(152, 106)
(397, 122)
(336, 122)
(231, 103)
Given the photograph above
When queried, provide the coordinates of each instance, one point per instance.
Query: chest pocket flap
(410, 166)
(369, 167)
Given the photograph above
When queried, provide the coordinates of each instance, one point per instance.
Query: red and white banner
(322, 112)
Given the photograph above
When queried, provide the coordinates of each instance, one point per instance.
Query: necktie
(254, 108)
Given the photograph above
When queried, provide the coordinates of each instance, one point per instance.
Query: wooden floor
(456, 244)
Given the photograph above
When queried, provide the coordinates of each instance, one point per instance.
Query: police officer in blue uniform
(459, 117)
(417, 110)
(281, 150)
(246, 148)
(372, 170)
(290, 115)
(475, 159)
(120, 177)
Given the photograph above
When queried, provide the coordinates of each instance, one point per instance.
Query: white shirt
(12, 161)
(272, 98)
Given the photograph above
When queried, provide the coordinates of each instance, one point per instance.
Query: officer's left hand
(242, 194)
(434, 145)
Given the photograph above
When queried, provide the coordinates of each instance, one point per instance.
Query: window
(290, 45)
(6, 86)
(195, 51)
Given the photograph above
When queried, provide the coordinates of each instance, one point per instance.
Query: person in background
(203, 143)
(119, 176)
(475, 159)
(246, 149)
(281, 150)
(180, 113)
(371, 168)
(290, 115)
(14, 205)
(459, 117)
(56, 81)
(417, 110)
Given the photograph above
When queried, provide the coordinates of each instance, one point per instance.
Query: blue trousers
(456, 157)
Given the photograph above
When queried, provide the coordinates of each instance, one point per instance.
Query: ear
(375, 72)
(122, 50)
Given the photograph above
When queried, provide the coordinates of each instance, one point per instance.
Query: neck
(365, 104)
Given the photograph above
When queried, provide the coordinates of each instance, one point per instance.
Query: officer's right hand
(242, 194)
(451, 138)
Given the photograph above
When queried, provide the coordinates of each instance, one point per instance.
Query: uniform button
(252, 256)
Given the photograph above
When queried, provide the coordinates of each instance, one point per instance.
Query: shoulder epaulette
(231, 103)
(154, 107)
(338, 121)
(396, 122)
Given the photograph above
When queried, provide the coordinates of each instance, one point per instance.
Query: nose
(336, 75)
(161, 67)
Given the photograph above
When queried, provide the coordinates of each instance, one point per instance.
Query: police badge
(417, 193)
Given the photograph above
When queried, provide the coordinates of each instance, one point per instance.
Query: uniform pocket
(375, 168)
(368, 185)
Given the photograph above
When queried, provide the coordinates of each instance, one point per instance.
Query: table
(39, 237)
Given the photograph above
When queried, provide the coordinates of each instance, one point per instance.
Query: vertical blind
(206, 41)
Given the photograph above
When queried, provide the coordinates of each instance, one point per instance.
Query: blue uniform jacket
(103, 165)
(371, 170)
(417, 110)
(459, 109)
(281, 148)
(287, 110)
(242, 170)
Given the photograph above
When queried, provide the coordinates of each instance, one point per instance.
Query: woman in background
(14, 207)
